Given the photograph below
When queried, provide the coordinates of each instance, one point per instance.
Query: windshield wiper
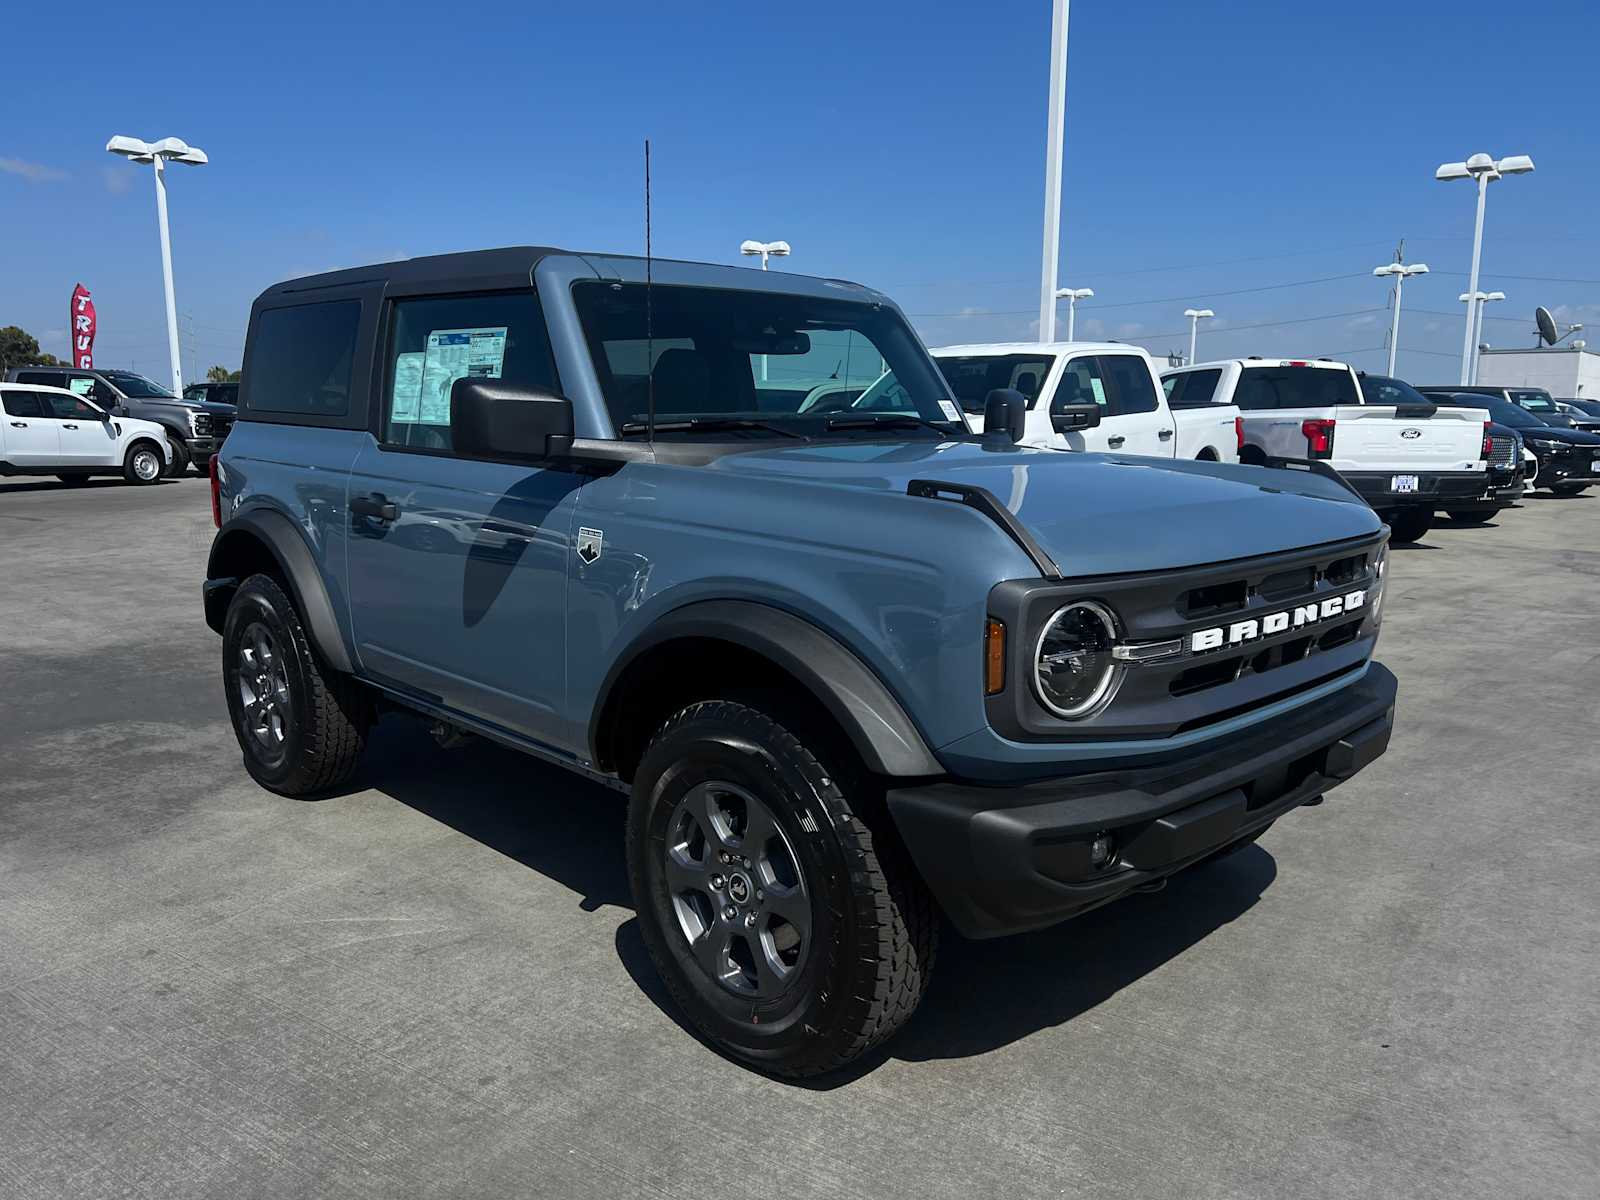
(890, 421)
(705, 424)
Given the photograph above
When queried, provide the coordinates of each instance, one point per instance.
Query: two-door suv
(851, 663)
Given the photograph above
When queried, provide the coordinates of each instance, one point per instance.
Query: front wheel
(1410, 524)
(792, 935)
(1567, 489)
(300, 724)
(180, 459)
(143, 464)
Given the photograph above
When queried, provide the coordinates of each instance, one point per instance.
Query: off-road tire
(874, 930)
(133, 463)
(1409, 525)
(329, 712)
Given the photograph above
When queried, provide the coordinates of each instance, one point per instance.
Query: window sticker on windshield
(1099, 390)
(454, 354)
(405, 403)
(80, 387)
(949, 410)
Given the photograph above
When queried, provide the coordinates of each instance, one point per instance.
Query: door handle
(19, 424)
(69, 427)
(377, 506)
(1165, 434)
(1115, 441)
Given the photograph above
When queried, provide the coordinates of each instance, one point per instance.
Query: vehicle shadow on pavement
(984, 994)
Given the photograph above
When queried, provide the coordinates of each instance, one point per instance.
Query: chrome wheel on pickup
(143, 464)
(793, 933)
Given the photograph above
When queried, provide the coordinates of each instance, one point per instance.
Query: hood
(1555, 433)
(1097, 514)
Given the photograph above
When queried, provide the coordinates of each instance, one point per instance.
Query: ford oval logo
(1411, 433)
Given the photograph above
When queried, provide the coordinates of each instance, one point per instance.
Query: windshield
(137, 386)
(768, 363)
(973, 376)
(1533, 400)
(1502, 411)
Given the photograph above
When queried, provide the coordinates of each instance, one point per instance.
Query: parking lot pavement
(434, 985)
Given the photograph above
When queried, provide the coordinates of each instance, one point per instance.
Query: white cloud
(118, 179)
(31, 171)
(1365, 321)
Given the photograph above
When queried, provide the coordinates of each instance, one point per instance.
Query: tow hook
(448, 736)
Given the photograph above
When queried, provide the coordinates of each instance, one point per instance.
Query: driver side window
(1081, 383)
(70, 408)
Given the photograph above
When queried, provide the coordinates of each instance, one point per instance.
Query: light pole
(1072, 296)
(1052, 171)
(1401, 272)
(157, 154)
(1475, 302)
(1194, 315)
(1485, 170)
(765, 250)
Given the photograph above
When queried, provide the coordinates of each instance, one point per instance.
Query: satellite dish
(1547, 326)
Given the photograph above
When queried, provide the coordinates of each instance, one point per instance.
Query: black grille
(212, 425)
(1181, 687)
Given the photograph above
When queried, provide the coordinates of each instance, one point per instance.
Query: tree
(19, 348)
(222, 375)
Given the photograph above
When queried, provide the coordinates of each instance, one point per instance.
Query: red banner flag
(82, 328)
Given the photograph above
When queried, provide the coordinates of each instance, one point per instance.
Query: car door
(31, 437)
(1137, 414)
(86, 436)
(456, 568)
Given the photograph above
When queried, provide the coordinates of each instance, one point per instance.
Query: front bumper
(1008, 859)
(202, 447)
(1568, 465)
(1435, 489)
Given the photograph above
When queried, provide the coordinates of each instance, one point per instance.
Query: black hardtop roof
(498, 268)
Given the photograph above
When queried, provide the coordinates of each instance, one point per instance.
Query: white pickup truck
(1095, 396)
(1406, 460)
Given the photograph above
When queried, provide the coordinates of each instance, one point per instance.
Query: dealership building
(1570, 371)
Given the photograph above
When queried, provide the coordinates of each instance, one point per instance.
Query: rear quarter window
(301, 362)
(1193, 389)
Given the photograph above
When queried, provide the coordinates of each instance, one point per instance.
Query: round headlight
(1073, 669)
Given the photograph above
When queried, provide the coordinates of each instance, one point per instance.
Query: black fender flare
(867, 712)
(286, 542)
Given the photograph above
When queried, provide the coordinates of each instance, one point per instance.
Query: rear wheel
(1409, 524)
(143, 464)
(301, 724)
(791, 934)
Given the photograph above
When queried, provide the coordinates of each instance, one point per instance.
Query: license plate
(1403, 483)
(1595, 466)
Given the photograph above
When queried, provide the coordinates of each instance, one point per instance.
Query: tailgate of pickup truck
(1375, 438)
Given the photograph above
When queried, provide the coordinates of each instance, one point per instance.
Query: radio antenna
(649, 313)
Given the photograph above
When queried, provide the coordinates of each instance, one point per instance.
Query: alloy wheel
(737, 890)
(146, 465)
(264, 690)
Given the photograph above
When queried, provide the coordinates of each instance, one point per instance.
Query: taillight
(1238, 431)
(1488, 447)
(216, 491)
(1319, 437)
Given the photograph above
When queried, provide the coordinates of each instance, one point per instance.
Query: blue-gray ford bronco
(722, 541)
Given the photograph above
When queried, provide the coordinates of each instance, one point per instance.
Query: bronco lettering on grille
(1255, 628)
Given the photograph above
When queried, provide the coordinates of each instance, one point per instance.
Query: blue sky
(1210, 149)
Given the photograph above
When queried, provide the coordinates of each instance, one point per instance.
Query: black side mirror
(1005, 410)
(105, 416)
(490, 419)
(1070, 418)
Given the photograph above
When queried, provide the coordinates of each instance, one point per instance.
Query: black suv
(194, 427)
(1569, 459)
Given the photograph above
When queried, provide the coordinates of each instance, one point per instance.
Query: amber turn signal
(994, 658)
